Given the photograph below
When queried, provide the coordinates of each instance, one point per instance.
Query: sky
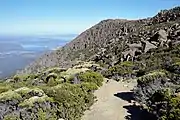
(33, 17)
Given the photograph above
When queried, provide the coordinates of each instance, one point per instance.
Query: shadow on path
(135, 112)
(127, 96)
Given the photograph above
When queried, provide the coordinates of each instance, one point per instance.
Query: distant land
(18, 51)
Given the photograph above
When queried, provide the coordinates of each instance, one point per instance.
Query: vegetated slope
(159, 82)
(51, 94)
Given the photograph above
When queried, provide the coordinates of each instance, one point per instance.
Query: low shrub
(72, 100)
(11, 117)
(4, 87)
(90, 76)
(165, 105)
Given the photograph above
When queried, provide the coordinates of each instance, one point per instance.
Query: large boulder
(148, 46)
(132, 51)
(159, 38)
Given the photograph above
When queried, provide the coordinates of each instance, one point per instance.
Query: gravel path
(112, 102)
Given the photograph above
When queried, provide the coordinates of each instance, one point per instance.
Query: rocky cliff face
(112, 41)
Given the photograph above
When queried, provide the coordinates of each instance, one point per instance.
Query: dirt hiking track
(112, 99)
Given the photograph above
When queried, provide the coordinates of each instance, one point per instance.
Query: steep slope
(109, 36)
(85, 45)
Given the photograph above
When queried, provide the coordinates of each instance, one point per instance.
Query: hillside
(110, 36)
(63, 83)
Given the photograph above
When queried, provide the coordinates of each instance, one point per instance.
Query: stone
(148, 46)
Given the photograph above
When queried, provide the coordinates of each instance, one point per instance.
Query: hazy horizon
(19, 51)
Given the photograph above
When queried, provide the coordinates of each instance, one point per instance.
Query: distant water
(43, 44)
(17, 52)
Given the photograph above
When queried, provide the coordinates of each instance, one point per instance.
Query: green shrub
(19, 85)
(165, 105)
(89, 86)
(51, 82)
(72, 100)
(16, 78)
(150, 77)
(11, 117)
(10, 95)
(35, 99)
(24, 77)
(122, 69)
(127, 64)
(68, 100)
(4, 87)
(41, 115)
(93, 77)
(51, 76)
(161, 95)
(174, 112)
(46, 115)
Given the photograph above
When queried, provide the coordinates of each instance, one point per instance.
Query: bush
(159, 92)
(123, 69)
(165, 105)
(150, 77)
(174, 112)
(4, 87)
(51, 82)
(11, 117)
(90, 76)
(24, 77)
(44, 115)
(72, 100)
(89, 86)
(46, 96)
(51, 76)
(41, 115)
(127, 64)
(140, 73)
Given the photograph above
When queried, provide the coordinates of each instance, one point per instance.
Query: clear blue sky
(71, 16)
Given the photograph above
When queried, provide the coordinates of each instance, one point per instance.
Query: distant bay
(18, 51)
